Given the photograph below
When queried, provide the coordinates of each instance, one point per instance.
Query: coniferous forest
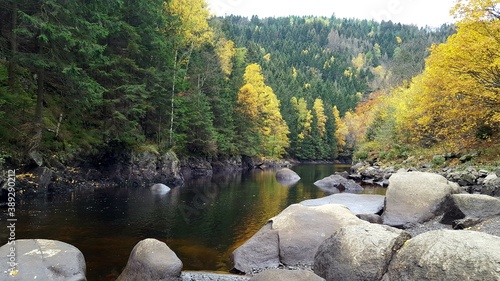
(78, 77)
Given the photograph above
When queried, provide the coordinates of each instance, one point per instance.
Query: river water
(202, 222)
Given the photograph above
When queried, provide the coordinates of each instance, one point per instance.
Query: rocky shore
(442, 225)
(41, 175)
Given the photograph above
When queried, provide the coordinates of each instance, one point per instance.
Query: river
(202, 222)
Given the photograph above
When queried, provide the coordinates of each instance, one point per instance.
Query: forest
(81, 77)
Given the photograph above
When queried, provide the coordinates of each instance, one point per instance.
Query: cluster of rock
(329, 235)
(425, 228)
(474, 180)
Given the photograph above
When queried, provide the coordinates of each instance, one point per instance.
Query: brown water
(202, 221)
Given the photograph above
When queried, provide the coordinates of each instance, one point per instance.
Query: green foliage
(139, 72)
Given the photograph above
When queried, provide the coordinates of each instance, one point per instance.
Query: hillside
(83, 80)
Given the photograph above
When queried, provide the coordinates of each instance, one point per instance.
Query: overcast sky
(420, 12)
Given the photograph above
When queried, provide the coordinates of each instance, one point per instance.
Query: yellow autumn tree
(193, 15)
(225, 50)
(258, 102)
(341, 130)
(460, 99)
(304, 117)
(192, 32)
(319, 113)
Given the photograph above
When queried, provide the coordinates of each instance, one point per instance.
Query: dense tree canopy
(81, 77)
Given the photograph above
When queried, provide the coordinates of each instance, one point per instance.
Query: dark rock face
(39, 259)
(447, 255)
(336, 183)
(358, 252)
(286, 275)
(152, 260)
(416, 197)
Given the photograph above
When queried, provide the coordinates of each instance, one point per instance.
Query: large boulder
(302, 229)
(358, 252)
(416, 197)
(286, 275)
(297, 233)
(259, 252)
(152, 260)
(337, 183)
(447, 255)
(356, 203)
(39, 259)
(471, 206)
(286, 176)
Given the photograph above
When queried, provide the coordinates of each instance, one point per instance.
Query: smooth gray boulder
(471, 206)
(259, 252)
(358, 252)
(40, 259)
(447, 255)
(152, 260)
(356, 203)
(300, 230)
(286, 275)
(287, 177)
(336, 183)
(416, 197)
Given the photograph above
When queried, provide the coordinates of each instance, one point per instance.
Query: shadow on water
(202, 221)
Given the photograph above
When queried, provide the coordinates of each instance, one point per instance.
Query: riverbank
(42, 175)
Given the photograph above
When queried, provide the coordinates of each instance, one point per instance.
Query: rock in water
(152, 260)
(336, 183)
(40, 259)
(287, 177)
(447, 255)
(159, 189)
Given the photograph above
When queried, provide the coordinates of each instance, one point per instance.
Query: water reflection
(202, 221)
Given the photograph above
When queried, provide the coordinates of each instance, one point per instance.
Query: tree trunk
(12, 67)
(171, 132)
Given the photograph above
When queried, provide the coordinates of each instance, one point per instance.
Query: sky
(422, 13)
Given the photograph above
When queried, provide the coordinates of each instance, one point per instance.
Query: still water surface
(202, 221)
